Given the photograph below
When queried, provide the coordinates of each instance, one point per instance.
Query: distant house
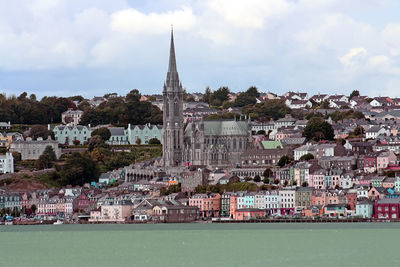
(33, 149)
(5, 125)
(319, 98)
(7, 163)
(71, 117)
(382, 101)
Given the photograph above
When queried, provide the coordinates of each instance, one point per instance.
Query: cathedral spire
(172, 81)
(172, 60)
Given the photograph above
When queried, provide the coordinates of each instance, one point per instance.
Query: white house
(7, 163)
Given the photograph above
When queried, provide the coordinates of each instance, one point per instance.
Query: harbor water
(202, 244)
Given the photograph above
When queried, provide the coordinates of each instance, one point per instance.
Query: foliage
(120, 112)
(270, 109)
(46, 160)
(219, 96)
(349, 114)
(103, 132)
(307, 157)
(96, 142)
(154, 141)
(318, 129)
(304, 184)
(268, 173)
(257, 178)
(283, 161)
(230, 187)
(28, 110)
(176, 188)
(79, 169)
(266, 180)
(357, 132)
(223, 116)
(247, 98)
(138, 141)
(40, 131)
(207, 95)
(354, 93)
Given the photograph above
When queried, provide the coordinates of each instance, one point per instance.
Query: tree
(261, 132)
(266, 180)
(270, 109)
(46, 160)
(17, 156)
(268, 173)
(79, 169)
(318, 129)
(50, 152)
(40, 131)
(307, 157)
(354, 93)
(96, 142)
(207, 95)
(304, 184)
(103, 132)
(154, 141)
(257, 178)
(357, 132)
(283, 161)
(219, 96)
(138, 141)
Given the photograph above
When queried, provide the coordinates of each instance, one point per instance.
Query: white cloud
(391, 36)
(354, 57)
(134, 21)
(250, 13)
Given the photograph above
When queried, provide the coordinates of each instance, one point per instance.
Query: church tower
(172, 113)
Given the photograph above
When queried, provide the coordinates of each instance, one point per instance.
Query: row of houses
(362, 202)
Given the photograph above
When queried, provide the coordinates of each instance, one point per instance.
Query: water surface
(330, 244)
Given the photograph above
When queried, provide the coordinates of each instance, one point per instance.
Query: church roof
(222, 127)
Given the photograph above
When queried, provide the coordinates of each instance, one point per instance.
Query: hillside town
(215, 156)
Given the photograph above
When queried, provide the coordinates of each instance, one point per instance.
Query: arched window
(240, 144)
(234, 144)
(176, 107)
(167, 108)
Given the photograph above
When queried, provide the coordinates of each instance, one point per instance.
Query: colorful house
(387, 208)
(248, 214)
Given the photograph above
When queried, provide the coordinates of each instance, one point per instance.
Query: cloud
(353, 58)
(275, 44)
(130, 21)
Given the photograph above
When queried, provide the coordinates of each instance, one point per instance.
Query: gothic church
(212, 143)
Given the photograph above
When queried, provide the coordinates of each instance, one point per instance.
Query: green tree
(318, 129)
(268, 173)
(207, 95)
(357, 132)
(304, 184)
(96, 142)
(219, 96)
(103, 132)
(283, 161)
(307, 157)
(266, 180)
(257, 178)
(79, 169)
(270, 109)
(354, 93)
(40, 131)
(138, 141)
(154, 141)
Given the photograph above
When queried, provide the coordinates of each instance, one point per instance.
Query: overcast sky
(93, 47)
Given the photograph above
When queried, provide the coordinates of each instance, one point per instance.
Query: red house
(81, 203)
(249, 213)
(387, 208)
(351, 199)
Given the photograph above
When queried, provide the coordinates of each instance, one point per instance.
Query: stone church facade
(212, 143)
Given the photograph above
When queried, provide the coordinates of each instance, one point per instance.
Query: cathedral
(211, 143)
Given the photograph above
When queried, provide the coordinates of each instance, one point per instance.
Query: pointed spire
(172, 75)
(172, 60)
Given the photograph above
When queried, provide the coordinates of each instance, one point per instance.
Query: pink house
(384, 159)
(208, 204)
(249, 213)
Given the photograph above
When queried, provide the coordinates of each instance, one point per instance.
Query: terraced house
(70, 134)
(144, 133)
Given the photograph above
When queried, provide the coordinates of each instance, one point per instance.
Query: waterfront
(357, 244)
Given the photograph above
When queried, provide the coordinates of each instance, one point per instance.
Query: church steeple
(172, 113)
(172, 81)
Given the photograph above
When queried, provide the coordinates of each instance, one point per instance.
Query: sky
(94, 47)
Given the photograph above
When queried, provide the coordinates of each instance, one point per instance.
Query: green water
(364, 244)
